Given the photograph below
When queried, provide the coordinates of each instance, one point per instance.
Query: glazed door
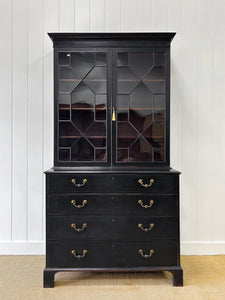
(141, 102)
(82, 107)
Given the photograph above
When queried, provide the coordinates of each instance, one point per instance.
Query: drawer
(110, 228)
(108, 183)
(112, 255)
(140, 204)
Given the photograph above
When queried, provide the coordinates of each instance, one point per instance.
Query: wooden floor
(21, 278)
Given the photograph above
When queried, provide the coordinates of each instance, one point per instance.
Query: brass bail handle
(79, 184)
(73, 252)
(151, 252)
(151, 202)
(73, 202)
(151, 181)
(151, 226)
(74, 226)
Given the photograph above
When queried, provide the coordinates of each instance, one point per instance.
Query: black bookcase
(112, 200)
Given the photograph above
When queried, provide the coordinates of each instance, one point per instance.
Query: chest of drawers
(112, 222)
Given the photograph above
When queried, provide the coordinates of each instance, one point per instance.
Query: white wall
(197, 108)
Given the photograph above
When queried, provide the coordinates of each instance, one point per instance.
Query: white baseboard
(202, 248)
(22, 248)
(38, 248)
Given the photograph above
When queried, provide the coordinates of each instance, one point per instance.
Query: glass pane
(82, 150)
(127, 80)
(64, 154)
(126, 134)
(100, 59)
(122, 59)
(122, 155)
(159, 155)
(68, 79)
(141, 106)
(82, 62)
(96, 134)
(155, 134)
(141, 96)
(155, 80)
(68, 134)
(82, 101)
(64, 112)
(140, 119)
(96, 80)
(101, 154)
(64, 58)
(140, 151)
(141, 63)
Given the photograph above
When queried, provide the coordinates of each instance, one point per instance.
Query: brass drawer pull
(74, 226)
(73, 202)
(151, 252)
(79, 255)
(152, 225)
(79, 184)
(151, 202)
(146, 185)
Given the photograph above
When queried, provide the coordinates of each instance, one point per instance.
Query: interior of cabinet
(84, 99)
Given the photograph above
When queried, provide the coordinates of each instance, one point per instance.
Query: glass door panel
(141, 107)
(82, 107)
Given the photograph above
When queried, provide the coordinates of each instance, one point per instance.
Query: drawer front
(105, 183)
(145, 205)
(112, 255)
(113, 228)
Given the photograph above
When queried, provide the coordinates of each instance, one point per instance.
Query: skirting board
(38, 248)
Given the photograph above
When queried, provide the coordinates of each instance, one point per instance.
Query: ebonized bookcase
(112, 200)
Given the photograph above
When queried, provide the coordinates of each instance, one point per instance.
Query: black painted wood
(48, 278)
(119, 205)
(110, 228)
(163, 184)
(107, 254)
(177, 277)
(111, 211)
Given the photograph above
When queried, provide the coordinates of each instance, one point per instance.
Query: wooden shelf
(139, 108)
(82, 108)
(77, 107)
(104, 80)
(76, 137)
(104, 137)
(104, 109)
